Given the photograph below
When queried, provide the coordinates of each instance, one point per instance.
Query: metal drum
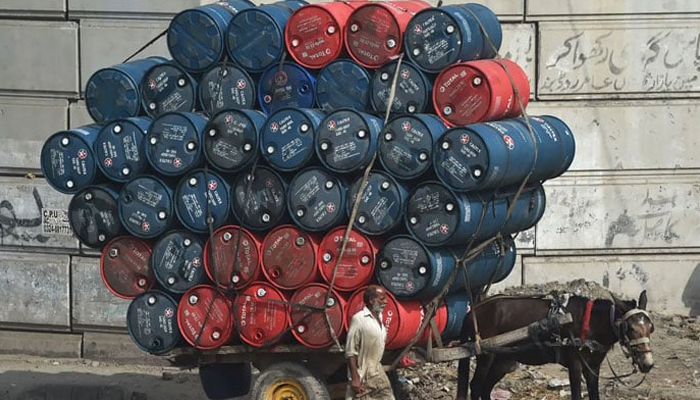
(168, 88)
(316, 200)
(556, 147)
(124, 267)
(178, 261)
(347, 140)
(286, 85)
(199, 195)
(115, 92)
(528, 210)
(381, 203)
(402, 319)
(457, 308)
(232, 258)
(406, 144)
(485, 156)
(308, 315)
(437, 216)
(342, 84)
(120, 148)
(174, 143)
(204, 317)
(151, 320)
(225, 88)
(374, 32)
(491, 265)
(440, 36)
(314, 33)
(231, 139)
(355, 269)
(93, 214)
(289, 257)
(259, 201)
(409, 270)
(197, 36)
(67, 160)
(477, 91)
(255, 37)
(146, 207)
(413, 92)
(287, 139)
(260, 313)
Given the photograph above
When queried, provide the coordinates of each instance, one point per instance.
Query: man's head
(375, 298)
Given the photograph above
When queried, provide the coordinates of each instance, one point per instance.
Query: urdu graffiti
(621, 60)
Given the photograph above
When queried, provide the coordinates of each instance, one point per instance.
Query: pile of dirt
(675, 376)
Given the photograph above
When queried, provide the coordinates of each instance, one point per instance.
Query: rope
(145, 46)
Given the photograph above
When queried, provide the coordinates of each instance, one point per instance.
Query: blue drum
(178, 261)
(120, 148)
(343, 84)
(225, 87)
(259, 199)
(347, 140)
(201, 194)
(413, 94)
(146, 207)
(93, 214)
(406, 144)
(381, 203)
(67, 160)
(174, 144)
(287, 139)
(168, 88)
(151, 320)
(316, 200)
(231, 139)
(286, 85)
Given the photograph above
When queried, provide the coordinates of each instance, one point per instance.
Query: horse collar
(586, 323)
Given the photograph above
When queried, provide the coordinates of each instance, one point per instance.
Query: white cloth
(365, 340)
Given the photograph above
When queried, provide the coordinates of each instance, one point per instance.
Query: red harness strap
(586, 319)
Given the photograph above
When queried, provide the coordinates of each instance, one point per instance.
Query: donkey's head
(635, 327)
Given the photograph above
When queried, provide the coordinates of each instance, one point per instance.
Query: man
(364, 350)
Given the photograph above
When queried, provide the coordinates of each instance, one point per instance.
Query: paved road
(34, 378)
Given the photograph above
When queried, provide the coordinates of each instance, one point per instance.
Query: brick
(93, 306)
(48, 49)
(130, 8)
(41, 344)
(33, 9)
(78, 115)
(537, 9)
(117, 347)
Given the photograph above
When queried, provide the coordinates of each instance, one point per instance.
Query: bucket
(477, 91)
(457, 308)
(93, 214)
(177, 261)
(67, 160)
(201, 194)
(441, 36)
(124, 267)
(401, 319)
(261, 315)
(307, 318)
(115, 92)
(255, 37)
(286, 85)
(356, 268)
(316, 200)
(411, 271)
(151, 320)
(406, 144)
(289, 257)
(174, 143)
(259, 201)
(146, 207)
(168, 88)
(413, 93)
(437, 216)
(197, 36)
(204, 317)
(314, 34)
(381, 203)
(287, 138)
(226, 88)
(233, 261)
(374, 32)
(347, 140)
(342, 84)
(231, 139)
(489, 266)
(120, 148)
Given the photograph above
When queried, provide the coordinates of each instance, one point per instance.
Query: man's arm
(354, 375)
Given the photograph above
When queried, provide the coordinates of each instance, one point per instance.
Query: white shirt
(365, 340)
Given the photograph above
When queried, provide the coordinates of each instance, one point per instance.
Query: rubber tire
(314, 388)
(225, 380)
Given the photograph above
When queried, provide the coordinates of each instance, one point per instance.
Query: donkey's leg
(463, 378)
(483, 364)
(574, 366)
(498, 369)
(592, 374)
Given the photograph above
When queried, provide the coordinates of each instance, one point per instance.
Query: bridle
(629, 346)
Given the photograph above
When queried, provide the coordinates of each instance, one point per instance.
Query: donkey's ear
(642, 300)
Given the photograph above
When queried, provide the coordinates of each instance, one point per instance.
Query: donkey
(597, 326)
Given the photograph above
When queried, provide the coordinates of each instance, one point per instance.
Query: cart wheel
(223, 381)
(288, 381)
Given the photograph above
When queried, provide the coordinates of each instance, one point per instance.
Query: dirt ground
(676, 375)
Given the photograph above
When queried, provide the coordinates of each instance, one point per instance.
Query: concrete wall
(623, 74)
